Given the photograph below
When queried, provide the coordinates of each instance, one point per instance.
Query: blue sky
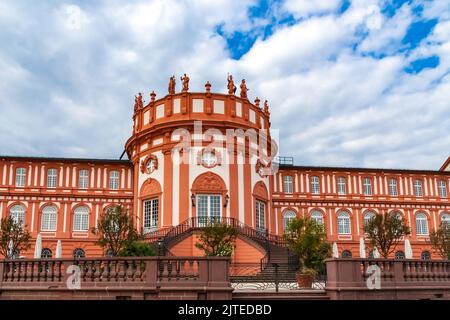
(349, 82)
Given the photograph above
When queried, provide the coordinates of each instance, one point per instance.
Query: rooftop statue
(185, 80)
(231, 87)
(172, 85)
(138, 104)
(266, 107)
(243, 89)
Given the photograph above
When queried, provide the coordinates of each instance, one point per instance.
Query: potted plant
(308, 240)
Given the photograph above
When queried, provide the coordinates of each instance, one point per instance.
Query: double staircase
(277, 259)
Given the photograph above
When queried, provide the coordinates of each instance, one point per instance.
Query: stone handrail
(348, 278)
(147, 273)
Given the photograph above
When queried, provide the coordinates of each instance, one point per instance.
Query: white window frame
(21, 174)
(52, 178)
(260, 216)
(442, 189)
(317, 216)
(151, 214)
(393, 190)
(81, 219)
(17, 213)
(367, 216)
(445, 219)
(288, 216)
(83, 179)
(344, 223)
(209, 206)
(287, 182)
(49, 218)
(418, 188)
(367, 183)
(114, 180)
(341, 184)
(315, 185)
(421, 224)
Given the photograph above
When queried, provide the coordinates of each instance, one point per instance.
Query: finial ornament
(208, 86)
(257, 102)
(185, 80)
(172, 84)
(243, 89)
(231, 87)
(152, 96)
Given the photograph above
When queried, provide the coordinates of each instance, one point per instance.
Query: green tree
(308, 239)
(440, 240)
(14, 237)
(385, 231)
(138, 249)
(217, 239)
(115, 230)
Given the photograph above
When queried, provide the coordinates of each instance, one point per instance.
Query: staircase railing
(261, 236)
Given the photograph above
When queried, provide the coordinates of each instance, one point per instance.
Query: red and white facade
(179, 169)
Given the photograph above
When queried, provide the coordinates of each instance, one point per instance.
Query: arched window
(17, 213)
(81, 219)
(315, 186)
(368, 216)
(421, 224)
(445, 220)
(49, 216)
(346, 254)
(46, 253)
(288, 216)
(78, 253)
(399, 255)
(288, 184)
(344, 223)
(425, 255)
(317, 216)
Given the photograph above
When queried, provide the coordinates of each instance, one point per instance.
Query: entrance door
(208, 208)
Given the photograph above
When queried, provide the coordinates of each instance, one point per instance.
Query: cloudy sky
(350, 83)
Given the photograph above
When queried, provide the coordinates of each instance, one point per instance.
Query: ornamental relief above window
(149, 164)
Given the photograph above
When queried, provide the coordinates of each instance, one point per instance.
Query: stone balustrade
(115, 278)
(399, 279)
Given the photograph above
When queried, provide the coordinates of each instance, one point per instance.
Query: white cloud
(72, 72)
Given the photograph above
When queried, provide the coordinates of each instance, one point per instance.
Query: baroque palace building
(194, 155)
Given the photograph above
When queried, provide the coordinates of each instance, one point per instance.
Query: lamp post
(160, 244)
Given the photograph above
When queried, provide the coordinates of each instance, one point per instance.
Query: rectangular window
(442, 189)
(341, 185)
(260, 216)
(288, 184)
(393, 187)
(418, 188)
(83, 179)
(315, 187)
(367, 186)
(151, 208)
(51, 178)
(114, 180)
(20, 177)
(208, 207)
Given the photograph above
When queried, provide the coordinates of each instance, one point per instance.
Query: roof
(319, 168)
(445, 165)
(56, 159)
